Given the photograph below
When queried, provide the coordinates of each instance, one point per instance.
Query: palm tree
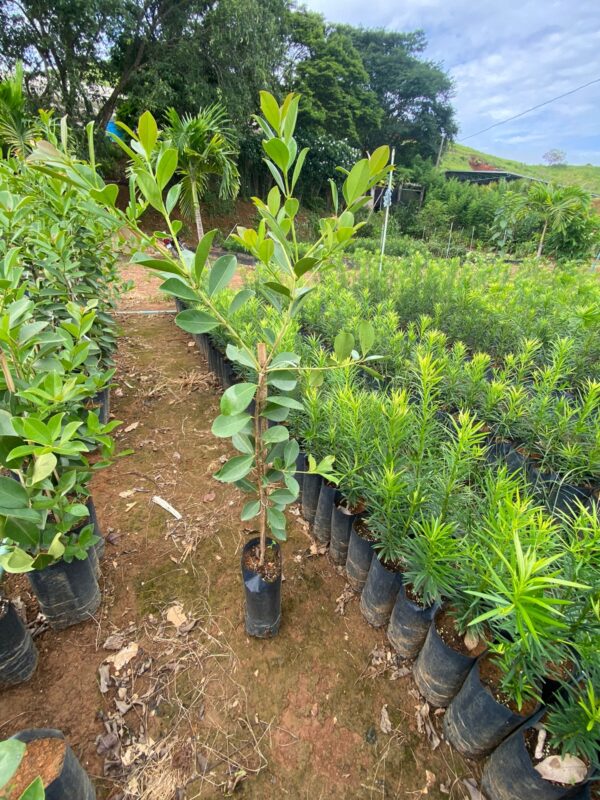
(17, 128)
(557, 205)
(206, 146)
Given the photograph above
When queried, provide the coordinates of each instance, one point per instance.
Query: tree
(415, 95)
(205, 145)
(61, 44)
(326, 69)
(558, 207)
(555, 157)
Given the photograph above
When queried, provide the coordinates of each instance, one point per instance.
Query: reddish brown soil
(270, 570)
(43, 759)
(310, 697)
(444, 623)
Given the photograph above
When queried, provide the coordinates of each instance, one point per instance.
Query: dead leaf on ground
(124, 656)
(209, 497)
(114, 642)
(166, 506)
(176, 616)
(126, 493)
(343, 600)
(424, 725)
(131, 427)
(384, 721)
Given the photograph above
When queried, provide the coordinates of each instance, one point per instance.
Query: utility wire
(533, 108)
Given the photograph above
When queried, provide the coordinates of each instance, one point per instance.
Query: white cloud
(506, 57)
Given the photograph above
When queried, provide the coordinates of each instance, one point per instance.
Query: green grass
(587, 176)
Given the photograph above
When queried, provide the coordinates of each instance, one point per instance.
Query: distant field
(588, 177)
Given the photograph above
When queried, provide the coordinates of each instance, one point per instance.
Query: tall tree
(415, 94)
(557, 206)
(325, 67)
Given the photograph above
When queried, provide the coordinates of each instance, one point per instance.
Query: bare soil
(163, 695)
(491, 675)
(444, 623)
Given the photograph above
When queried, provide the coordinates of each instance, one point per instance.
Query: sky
(505, 56)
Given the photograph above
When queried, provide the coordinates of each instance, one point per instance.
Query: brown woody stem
(259, 425)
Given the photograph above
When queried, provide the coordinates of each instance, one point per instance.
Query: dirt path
(202, 704)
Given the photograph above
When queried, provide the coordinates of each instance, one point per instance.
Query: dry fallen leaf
(176, 616)
(425, 725)
(475, 792)
(471, 640)
(562, 769)
(384, 721)
(209, 497)
(114, 642)
(124, 656)
(127, 493)
(131, 427)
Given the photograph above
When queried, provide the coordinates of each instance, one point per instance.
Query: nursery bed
(302, 716)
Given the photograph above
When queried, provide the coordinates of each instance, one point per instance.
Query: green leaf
(282, 379)
(278, 287)
(150, 190)
(276, 176)
(237, 398)
(173, 196)
(298, 167)
(366, 336)
(379, 159)
(177, 288)
(225, 426)
(12, 496)
(278, 433)
(221, 273)
(304, 265)
(240, 356)
(274, 200)
(291, 206)
(235, 469)
(158, 264)
(286, 402)
(202, 252)
(35, 791)
(166, 166)
(243, 443)
(250, 510)
(278, 152)
(44, 465)
(147, 132)
(11, 755)
(276, 521)
(194, 321)
(343, 345)
(315, 378)
(106, 196)
(239, 300)
(291, 453)
(357, 181)
(270, 109)
(275, 413)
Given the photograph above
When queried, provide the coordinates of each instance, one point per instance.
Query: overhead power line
(533, 108)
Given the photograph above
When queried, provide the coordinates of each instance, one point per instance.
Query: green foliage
(573, 719)
(12, 752)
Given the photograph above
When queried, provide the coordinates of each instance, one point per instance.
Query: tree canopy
(361, 88)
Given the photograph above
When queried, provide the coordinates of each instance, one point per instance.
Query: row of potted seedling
(57, 338)
(439, 546)
(488, 304)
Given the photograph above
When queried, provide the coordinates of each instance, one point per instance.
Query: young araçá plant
(267, 457)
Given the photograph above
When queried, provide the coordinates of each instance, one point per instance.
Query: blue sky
(506, 56)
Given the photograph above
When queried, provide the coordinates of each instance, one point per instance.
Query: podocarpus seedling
(267, 460)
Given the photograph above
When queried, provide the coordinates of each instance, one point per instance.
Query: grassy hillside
(457, 157)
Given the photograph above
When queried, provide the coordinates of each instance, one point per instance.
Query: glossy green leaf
(238, 355)
(304, 265)
(11, 755)
(35, 791)
(287, 402)
(366, 336)
(379, 159)
(225, 426)
(147, 132)
(166, 166)
(278, 433)
(202, 252)
(44, 465)
(177, 288)
(194, 321)
(239, 300)
(282, 379)
(250, 510)
(221, 273)
(237, 398)
(278, 152)
(343, 344)
(12, 495)
(270, 109)
(235, 469)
